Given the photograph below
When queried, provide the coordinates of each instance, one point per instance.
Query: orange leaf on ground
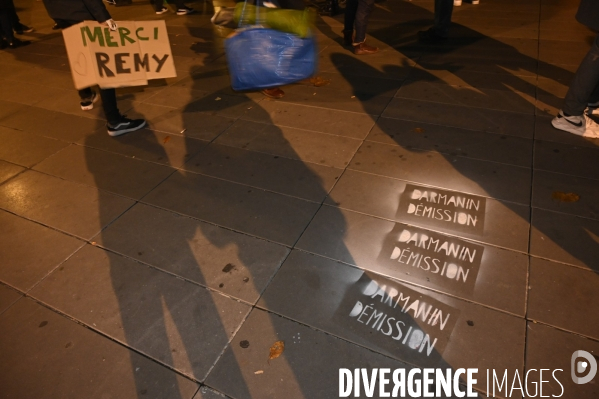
(565, 197)
(276, 349)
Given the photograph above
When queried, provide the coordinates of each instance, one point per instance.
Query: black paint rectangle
(438, 260)
(411, 326)
(441, 208)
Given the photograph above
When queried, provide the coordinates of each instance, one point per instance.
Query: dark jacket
(588, 14)
(76, 11)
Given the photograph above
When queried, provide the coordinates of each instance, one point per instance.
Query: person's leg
(443, 11)
(583, 88)
(351, 7)
(6, 26)
(111, 110)
(362, 14)
(585, 83)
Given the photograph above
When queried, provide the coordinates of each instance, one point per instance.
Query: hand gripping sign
(129, 56)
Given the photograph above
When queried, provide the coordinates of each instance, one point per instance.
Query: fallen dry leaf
(276, 349)
(418, 130)
(259, 372)
(565, 197)
(217, 99)
(319, 82)
(166, 139)
(353, 97)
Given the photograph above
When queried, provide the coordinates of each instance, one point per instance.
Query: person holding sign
(71, 12)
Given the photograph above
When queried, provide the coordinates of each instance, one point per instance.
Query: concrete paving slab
(233, 263)
(250, 210)
(507, 224)
(552, 300)
(566, 194)
(486, 120)
(52, 124)
(345, 296)
(8, 170)
(564, 238)
(342, 123)
(567, 159)
(30, 251)
(148, 145)
(104, 170)
(27, 93)
(457, 173)
(77, 362)
(304, 145)
(282, 175)
(552, 349)
(8, 296)
(206, 393)
(501, 100)
(175, 322)
(289, 375)
(491, 79)
(488, 275)
(188, 122)
(453, 141)
(327, 98)
(76, 209)
(25, 148)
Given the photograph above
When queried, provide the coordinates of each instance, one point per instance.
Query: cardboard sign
(130, 56)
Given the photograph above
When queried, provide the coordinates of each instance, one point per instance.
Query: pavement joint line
(428, 228)
(448, 153)
(438, 187)
(596, 218)
(414, 284)
(568, 174)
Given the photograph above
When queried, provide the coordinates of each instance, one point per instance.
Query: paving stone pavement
(166, 263)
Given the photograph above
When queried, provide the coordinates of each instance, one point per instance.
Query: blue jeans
(584, 88)
(357, 13)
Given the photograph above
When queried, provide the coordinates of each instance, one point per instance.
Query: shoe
(185, 11)
(475, 1)
(88, 103)
(430, 37)
(113, 2)
(580, 125)
(20, 29)
(18, 43)
(364, 49)
(125, 126)
(457, 3)
(275, 92)
(348, 37)
(592, 109)
(162, 11)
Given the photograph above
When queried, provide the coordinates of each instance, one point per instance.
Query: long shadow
(453, 57)
(146, 325)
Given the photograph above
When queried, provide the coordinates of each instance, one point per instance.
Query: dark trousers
(584, 88)
(158, 4)
(443, 11)
(357, 13)
(111, 111)
(6, 26)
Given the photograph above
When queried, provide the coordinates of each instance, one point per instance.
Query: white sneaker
(580, 125)
(162, 11)
(185, 11)
(593, 108)
(457, 2)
